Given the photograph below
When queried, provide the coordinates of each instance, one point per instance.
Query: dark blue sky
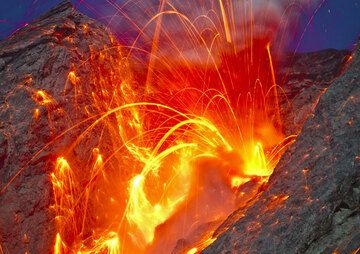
(335, 25)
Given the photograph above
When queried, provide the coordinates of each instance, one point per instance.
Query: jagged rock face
(311, 203)
(304, 77)
(37, 92)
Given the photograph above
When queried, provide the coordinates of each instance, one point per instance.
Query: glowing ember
(42, 98)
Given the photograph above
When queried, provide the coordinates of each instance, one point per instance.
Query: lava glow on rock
(203, 126)
(179, 138)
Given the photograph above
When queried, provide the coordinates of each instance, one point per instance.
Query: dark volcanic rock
(35, 94)
(304, 77)
(311, 203)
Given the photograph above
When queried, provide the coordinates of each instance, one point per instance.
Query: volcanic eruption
(168, 139)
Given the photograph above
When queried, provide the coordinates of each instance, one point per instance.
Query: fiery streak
(59, 245)
(36, 114)
(274, 83)
(226, 22)
(195, 131)
(109, 244)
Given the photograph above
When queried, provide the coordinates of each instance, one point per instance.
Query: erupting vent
(147, 147)
(183, 145)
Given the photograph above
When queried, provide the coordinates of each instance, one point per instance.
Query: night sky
(336, 24)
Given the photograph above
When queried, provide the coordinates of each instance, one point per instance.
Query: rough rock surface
(311, 203)
(35, 92)
(303, 78)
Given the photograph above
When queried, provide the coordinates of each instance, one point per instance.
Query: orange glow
(256, 163)
(73, 78)
(42, 98)
(58, 247)
(226, 22)
(109, 244)
(237, 181)
(192, 251)
(36, 114)
(165, 153)
(85, 28)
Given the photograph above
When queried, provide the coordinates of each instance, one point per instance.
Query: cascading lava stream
(179, 137)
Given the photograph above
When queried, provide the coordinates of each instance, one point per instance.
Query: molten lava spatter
(182, 145)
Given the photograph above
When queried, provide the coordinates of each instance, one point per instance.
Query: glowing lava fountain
(204, 122)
